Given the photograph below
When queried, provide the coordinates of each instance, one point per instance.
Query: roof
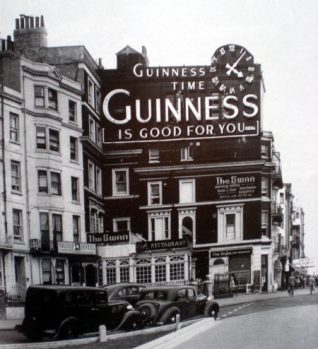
(128, 51)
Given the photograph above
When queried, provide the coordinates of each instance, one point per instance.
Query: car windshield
(160, 295)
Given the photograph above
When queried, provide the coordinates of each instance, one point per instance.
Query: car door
(181, 302)
(191, 303)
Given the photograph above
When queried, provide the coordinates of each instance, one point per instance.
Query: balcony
(38, 246)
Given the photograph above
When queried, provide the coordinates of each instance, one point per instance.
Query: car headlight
(129, 307)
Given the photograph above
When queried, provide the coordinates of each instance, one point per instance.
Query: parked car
(160, 305)
(67, 311)
(129, 292)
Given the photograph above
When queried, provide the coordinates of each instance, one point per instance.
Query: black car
(160, 305)
(67, 311)
(125, 291)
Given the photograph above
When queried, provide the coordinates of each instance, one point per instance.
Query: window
(186, 153)
(90, 93)
(98, 100)
(41, 138)
(121, 224)
(91, 175)
(99, 135)
(265, 222)
(54, 140)
(56, 183)
(155, 193)
(14, 128)
(124, 273)
(281, 198)
(230, 223)
(17, 225)
(43, 181)
(39, 97)
(264, 186)
(159, 226)
(143, 271)
(73, 148)
(57, 227)
(52, 94)
(265, 150)
(44, 228)
(76, 229)
(187, 191)
(75, 188)
(120, 182)
(110, 272)
(154, 155)
(92, 130)
(72, 111)
(15, 176)
(59, 271)
(98, 180)
(176, 268)
(46, 271)
(230, 226)
(160, 269)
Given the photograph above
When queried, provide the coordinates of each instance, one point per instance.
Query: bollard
(102, 333)
(178, 322)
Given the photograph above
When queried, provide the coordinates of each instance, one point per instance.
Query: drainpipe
(26, 176)
(4, 194)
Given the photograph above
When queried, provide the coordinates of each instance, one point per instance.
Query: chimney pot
(42, 21)
(22, 22)
(31, 22)
(27, 22)
(17, 23)
(37, 22)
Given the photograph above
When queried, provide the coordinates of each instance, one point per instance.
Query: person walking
(291, 284)
(311, 282)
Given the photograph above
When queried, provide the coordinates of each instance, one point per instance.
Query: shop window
(120, 182)
(15, 176)
(155, 193)
(14, 128)
(160, 269)
(187, 153)
(59, 272)
(124, 271)
(159, 226)
(154, 155)
(110, 272)
(46, 271)
(17, 225)
(72, 111)
(73, 148)
(187, 191)
(176, 268)
(143, 271)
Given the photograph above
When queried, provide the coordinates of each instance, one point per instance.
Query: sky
(282, 36)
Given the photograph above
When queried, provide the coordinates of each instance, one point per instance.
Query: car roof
(167, 288)
(113, 286)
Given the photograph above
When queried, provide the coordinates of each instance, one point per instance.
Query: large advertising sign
(236, 186)
(173, 103)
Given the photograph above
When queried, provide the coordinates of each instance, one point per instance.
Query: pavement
(171, 340)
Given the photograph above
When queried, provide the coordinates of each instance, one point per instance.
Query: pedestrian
(311, 282)
(291, 284)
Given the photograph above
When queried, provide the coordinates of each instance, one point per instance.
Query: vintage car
(68, 311)
(129, 292)
(160, 305)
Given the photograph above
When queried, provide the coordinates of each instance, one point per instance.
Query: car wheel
(69, 330)
(212, 310)
(148, 311)
(171, 318)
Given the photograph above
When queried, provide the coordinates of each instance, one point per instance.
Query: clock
(232, 69)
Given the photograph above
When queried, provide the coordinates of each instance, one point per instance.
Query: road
(289, 322)
(285, 323)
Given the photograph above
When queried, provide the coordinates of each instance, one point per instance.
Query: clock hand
(232, 68)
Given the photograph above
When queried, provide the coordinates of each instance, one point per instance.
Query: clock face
(232, 69)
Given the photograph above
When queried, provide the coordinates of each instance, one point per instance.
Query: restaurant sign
(227, 253)
(236, 186)
(108, 238)
(160, 245)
